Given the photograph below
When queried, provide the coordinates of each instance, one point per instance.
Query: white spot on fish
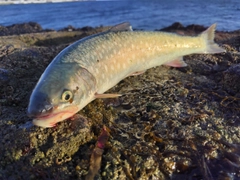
(96, 70)
(112, 67)
(92, 56)
(118, 66)
(100, 56)
(103, 76)
(106, 68)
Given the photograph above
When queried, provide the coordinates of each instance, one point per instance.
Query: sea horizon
(146, 15)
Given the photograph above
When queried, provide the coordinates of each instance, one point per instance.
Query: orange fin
(107, 95)
(137, 73)
(176, 63)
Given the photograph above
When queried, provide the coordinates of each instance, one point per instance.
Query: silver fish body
(86, 69)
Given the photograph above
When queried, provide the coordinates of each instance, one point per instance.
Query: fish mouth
(44, 117)
(52, 118)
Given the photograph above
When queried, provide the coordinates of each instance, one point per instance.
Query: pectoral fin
(176, 63)
(107, 95)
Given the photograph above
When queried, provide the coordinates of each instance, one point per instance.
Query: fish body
(86, 69)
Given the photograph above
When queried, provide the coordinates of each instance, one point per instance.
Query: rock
(231, 79)
(17, 29)
(170, 122)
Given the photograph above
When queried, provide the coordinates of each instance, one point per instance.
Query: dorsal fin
(125, 26)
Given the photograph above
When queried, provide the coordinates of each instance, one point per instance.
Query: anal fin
(176, 63)
(137, 73)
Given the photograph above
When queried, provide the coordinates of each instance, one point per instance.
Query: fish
(86, 69)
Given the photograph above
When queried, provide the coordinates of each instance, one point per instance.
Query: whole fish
(86, 69)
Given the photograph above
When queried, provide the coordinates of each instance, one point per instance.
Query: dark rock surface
(17, 29)
(170, 123)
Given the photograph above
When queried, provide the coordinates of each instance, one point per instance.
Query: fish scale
(86, 69)
(131, 56)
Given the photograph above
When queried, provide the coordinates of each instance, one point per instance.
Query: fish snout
(39, 105)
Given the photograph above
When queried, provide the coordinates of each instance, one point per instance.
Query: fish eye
(67, 95)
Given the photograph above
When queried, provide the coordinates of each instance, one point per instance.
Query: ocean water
(148, 15)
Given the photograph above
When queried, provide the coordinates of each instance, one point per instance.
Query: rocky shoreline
(171, 123)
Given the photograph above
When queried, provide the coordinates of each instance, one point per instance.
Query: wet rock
(188, 30)
(17, 29)
(3, 75)
(169, 123)
(231, 79)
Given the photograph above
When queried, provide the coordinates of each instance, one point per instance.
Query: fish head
(60, 93)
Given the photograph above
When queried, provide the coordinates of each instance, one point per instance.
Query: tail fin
(208, 36)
